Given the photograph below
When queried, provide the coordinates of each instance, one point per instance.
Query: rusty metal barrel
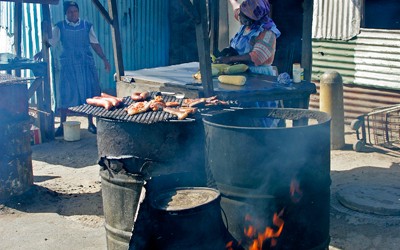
(188, 218)
(261, 171)
(134, 151)
(120, 193)
(16, 175)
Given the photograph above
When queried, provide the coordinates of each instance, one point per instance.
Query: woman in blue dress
(78, 75)
(254, 44)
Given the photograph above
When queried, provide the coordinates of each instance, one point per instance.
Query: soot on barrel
(274, 182)
(170, 146)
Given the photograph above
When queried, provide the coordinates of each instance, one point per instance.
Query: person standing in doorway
(78, 75)
(255, 42)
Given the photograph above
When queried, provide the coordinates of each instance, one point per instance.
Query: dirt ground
(64, 208)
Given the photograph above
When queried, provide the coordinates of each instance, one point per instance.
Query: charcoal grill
(121, 115)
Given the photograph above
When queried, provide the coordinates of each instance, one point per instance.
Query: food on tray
(113, 101)
(138, 107)
(99, 103)
(181, 109)
(199, 102)
(157, 105)
(140, 96)
(180, 114)
(172, 104)
(196, 102)
(234, 80)
(220, 66)
(105, 100)
(214, 72)
(111, 96)
(218, 69)
(235, 69)
(188, 110)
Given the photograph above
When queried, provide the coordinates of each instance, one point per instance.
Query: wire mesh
(383, 125)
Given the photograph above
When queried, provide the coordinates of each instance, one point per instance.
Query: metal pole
(331, 102)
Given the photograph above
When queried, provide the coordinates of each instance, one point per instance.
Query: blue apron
(78, 74)
(242, 42)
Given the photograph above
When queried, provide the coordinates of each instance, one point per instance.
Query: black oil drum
(16, 175)
(261, 171)
(170, 147)
(188, 218)
(134, 152)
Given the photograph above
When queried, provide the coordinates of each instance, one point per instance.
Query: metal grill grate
(121, 115)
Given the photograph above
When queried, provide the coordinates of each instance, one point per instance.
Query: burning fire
(271, 233)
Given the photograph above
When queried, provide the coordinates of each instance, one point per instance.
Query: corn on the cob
(220, 66)
(234, 80)
(214, 72)
(235, 69)
(213, 58)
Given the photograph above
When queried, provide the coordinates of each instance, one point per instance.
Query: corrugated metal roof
(336, 19)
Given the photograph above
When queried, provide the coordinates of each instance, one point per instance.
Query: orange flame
(295, 192)
(269, 232)
(229, 245)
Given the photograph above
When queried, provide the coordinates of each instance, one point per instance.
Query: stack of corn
(227, 73)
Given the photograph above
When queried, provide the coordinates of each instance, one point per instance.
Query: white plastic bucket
(72, 130)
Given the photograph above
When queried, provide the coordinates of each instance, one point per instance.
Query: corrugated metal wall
(372, 59)
(360, 100)
(336, 19)
(144, 33)
(369, 62)
(31, 35)
(369, 65)
(335, 55)
(377, 58)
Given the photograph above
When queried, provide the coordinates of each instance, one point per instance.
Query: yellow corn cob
(220, 66)
(235, 80)
(213, 58)
(235, 69)
(214, 72)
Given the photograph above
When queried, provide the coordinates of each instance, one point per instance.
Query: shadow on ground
(43, 200)
(77, 154)
(360, 227)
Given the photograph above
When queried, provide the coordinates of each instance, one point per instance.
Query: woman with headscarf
(78, 74)
(255, 42)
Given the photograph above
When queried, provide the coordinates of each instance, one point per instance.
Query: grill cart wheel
(358, 145)
(355, 124)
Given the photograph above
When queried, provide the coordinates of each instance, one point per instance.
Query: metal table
(179, 79)
(40, 86)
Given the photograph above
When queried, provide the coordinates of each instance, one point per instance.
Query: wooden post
(214, 29)
(44, 102)
(17, 32)
(112, 18)
(306, 55)
(203, 47)
(223, 25)
(116, 39)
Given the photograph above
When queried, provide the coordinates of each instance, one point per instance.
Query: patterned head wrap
(258, 10)
(68, 4)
